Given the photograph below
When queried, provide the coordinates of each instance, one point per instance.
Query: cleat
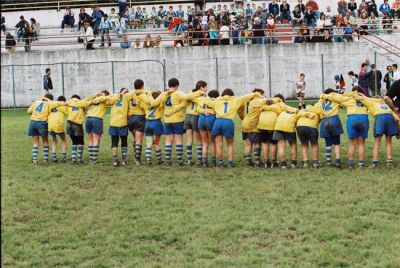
(54, 160)
(168, 162)
(337, 165)
(181, 163)
(389, 165)
(199, 163)
(160, 162)
(34, 162)
(283, 167)
(80, 161)
(116, 163)
(304, 165)
(189, 162)
(249, 162)
(221, 165)
(148, 163)
(373, 166)
(230, 166)
(315, 165)
(294, 166)
(124, 163)
(64, 160)
(138, 162)
(205, 165)
(274, 165)
(328, 164)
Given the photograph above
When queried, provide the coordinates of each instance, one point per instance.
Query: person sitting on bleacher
(113, 17)
(21, 26)
(161, 13)
(68, 19)
(138, 18)
(120, 25)
(284, 10)
(83, 17)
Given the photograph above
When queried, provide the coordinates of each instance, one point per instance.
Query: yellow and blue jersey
(119, 109)
(377, 106)
(252, 111)
(193, 106)
(152, 112)
(305, 121)
(40, 109)
(135, 105)
(348, 100)
(174, 99)
(76, 109)
(56, 119)
(287, 121)
(203, 108)
(98, 107)
(269, 114)
(327, 108)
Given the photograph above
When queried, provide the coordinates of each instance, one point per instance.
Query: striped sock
(73, 153)
(257, 154)
(179, 152)
(124, 151)
(315, 162)
(213, 160)
(54, 156)
(374, 162)
(90, 149)
(247, 157)
(337, 161)
(168, 152)
(35, 152)
(221, 162)
(350, 162)
(189, 153)
(230, 163)
(328, 155)
(45, 153)
(158, 155)
(138, 152)
(95, 153)
(64, 156)
(199, 149)
(80, 152)
(115, 157)
(204, 160)
(389, 161)
(148, 154)
(361, 163)
(294, 162)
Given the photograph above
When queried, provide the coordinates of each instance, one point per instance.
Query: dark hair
(113, 9)
(122, 89)
(33, 21)
(223, 22)
(173, 82)
(394, 65)
(350, 73)
(213, 94)
(227, 92)
(105, 92)
(49, 96)
(363, 65)
(358, 89)
(261, 91)
(75, 97)
(61, 98)
(155, 94)
(302, 74)
(200, 84)
(329, 91)
(356, 75)
(138, 84)
(280, 96)
(47, 70)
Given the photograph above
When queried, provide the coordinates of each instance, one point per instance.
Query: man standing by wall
(375, 83)
(47, 83)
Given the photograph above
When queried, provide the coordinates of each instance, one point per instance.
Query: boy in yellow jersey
(330, 128)
(173, 122)
(76, 109)
(357, 122)
(39, 111)
(191, 124)
(307, 131)
(119, 124)
(386, 123)
(206, 123)
(56, 128)
(94, 123)
(136, 120)
(225, 108)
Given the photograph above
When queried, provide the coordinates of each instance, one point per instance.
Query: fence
(21, 84)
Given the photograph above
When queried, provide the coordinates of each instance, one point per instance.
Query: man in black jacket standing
(375, 83)
(47, 83)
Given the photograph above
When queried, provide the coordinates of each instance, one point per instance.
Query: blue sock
(199, 152)
(179, 152)
(158, 155)
(54, 156)
(138, 152)
(375, 162)
(214, 160)
(124, 151)
(45, 153)
(90, 149)
(230, 163)
(64, 156)
(80, 152)
(35, 152)
(168, 152)
(95, 153)
(328, 155)
(189, 153)
(361, 163)
(148, 154)
(257, 154)
(73, 152)
(350, 162)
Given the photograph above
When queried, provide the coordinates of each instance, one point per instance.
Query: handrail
(383, 40)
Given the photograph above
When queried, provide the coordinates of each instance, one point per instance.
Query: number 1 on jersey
(225, 107)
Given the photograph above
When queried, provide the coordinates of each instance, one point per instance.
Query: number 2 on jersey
(151, 114)
(327, 105)
(119, 102)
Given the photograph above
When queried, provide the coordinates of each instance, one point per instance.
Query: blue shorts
(307, 134)
(118, 131)
(331, 127)
(223, 127)
(282, 135)
(94, 125)
(38, 128)
(357, 126)
(245, 135)
(335, 140)
(136, 123)
(55, 134)
(153, 127)
(206, 122)
(191, 122)
(385, 125)
(173, 128)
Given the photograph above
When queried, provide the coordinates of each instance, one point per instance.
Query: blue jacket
(97, 15)
(273, 9)
(363, 79)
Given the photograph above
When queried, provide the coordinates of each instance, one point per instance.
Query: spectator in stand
(125, 42)
(89, 36)
(96, 19)
(396, 73)
(364, 78)
(314, 6)
(388, 77)
(338, 32)
(120, 25)
(21, 26)
(258, 32)
(138, 18)
(284, 10)
(122, 5)
(363, 23)
(301, 6)
(373, 23)
(309, 17)
(273, 8)
(372, 8)
(28, 37)
(348, 33)
(204, 22)
(349, 19)
(305, 31)
(148, 41)
(340, 19)
(138, 43)
(270, 39)
(161, 13)
(363, 7)
(342, 7)
(329, 15)
(199, 4)
(387, 23)
(145, 17)
(180, 13)
(154, 18)
(352, 7)
(375, 81)
(385, 8)
(68, 19)
(327, 38)
(3, 24)
(157, 42)
(271, 26)
(213, 31)
(323, 23)
(198, 36)
(299, 39)
(235, 32)
(224, 34)
(84, 17)
(316, 38)
(396, 8)
(248, 13)
(297, 17)
(35, 29)
(105, 26)
(113, 17)
(10, 43)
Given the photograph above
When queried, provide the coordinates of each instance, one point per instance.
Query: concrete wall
(241, 68)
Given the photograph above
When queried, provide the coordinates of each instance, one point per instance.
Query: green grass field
(65, 215)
